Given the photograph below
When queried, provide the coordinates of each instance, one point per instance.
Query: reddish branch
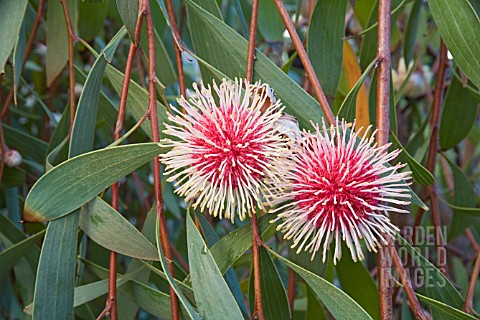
(432, 157)
(407, 285)
(291, 289)
(178, 51)
(384, 262)
(256, 240)
(251, 40)
(111, 305)
(152, 107)
(468, 306)
(28, 48)
(71, 70)
(297, 42)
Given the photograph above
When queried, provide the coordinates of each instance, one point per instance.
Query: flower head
(12, 158)
(226, 155)
(341, 187)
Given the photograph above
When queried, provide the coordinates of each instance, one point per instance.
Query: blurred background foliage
(340, 37)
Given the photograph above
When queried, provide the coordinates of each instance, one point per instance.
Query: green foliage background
(56, 265)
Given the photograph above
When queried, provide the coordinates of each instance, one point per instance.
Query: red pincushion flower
(226, 157)
(341, 187)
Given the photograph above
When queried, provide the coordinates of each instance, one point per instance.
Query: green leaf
(214, 299)
(12, 177)
(231, 247)
(275, 302)
(91, 16)
(445, 310)
(90, 291)
(464, 196)
(56, 271)
(211, 238)
(107, 227)
(458, 24)
(74, 182)
(458, 115)
(128, 11)
(348, 108)
(57, 38)
(270, 23)
(314, 307)
(18, 53)
(11, 17)
(28, 145)
(411, 31)
(357, 282)
(462, 210)
(181, 297)
(226, 50)
(420, 173)
(340, 305)
(327, 15)
(10, 256)
(437, 286)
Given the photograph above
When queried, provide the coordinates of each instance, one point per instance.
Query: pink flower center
(231, 150)
(336, 189)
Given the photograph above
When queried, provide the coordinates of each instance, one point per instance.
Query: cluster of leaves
(66, 274)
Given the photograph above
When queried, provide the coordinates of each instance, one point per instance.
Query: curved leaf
(11, 17)
(214, 298)
(74, 182)
(340, 305)
(111, 230)
(458, 24)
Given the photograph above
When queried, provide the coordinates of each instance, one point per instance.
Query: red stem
(251, 40)
(178, 52)
(297, 42)
(258, 304)
(468, 306)
(71, 69)
(384, 262)
(152, 107)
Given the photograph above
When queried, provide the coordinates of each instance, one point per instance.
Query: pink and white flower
(226, 153)
(341, 187)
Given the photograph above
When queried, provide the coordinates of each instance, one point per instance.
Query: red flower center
(328, 186)
(231, 149)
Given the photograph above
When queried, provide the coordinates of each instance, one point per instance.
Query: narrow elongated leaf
(275, 303)
(411, 31)
(458, 24)
(110, 229)
(18, 53)
(57, 39)
(458, 115)
(74, 182)
(181, 297)
(56, 271)
(270, 23)
(327, 15)
(464, 196)
(213, 297)
(236, 243)
(420, 173)
(340, 305)
(348, 109)
(10, 256)
(91, 291)
(11, 17)
(12, 177)
(211, 238)
(438, 286)
(128, 11)
(447, 311)
(357, 282)
(225, 49)
(91, 15)
(86, 114)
